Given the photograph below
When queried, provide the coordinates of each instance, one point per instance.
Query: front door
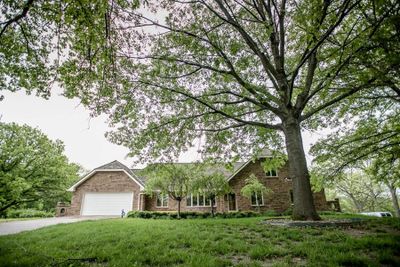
(231, 201)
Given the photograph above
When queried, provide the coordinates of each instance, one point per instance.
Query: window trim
(276, 173)
(163, 200)
(262, 201)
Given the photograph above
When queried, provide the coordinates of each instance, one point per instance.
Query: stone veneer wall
(104, 181)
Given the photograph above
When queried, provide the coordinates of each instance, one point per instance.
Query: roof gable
(112, 166)
(217, 167)
(245, 165)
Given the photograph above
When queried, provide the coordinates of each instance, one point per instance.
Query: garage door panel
(106, 203)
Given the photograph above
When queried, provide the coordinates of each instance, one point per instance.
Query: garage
(106, 203)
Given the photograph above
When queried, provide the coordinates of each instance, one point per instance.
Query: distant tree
(370, 145)
(357, 189)
(386, 169)
(211, 185)
(33, 168)
(371, 129)
(173, 180)
(255, 189)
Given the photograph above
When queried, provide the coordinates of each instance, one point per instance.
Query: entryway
(231, 202)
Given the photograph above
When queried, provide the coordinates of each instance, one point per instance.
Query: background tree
(33, 168)
(255, 188)
(174, 180)
(211, 185)
(386, 169)
(358, 192)
(371, 129)
(373, 138)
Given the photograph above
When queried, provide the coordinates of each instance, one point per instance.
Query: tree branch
(335, 100)
(23, 14)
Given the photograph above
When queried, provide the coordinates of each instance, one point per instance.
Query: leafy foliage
(190, 215)
(211, 185)
(174, 180)
(358, 191)
(28, 213)
(33, 168)
(39, 40)
(254, 186)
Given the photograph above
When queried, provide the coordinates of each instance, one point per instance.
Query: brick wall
(104, 181)
(118, 181)
(279, 200)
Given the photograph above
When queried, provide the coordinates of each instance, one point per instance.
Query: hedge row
(29, 213)
(194, 215)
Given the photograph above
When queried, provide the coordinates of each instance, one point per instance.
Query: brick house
(112, 187)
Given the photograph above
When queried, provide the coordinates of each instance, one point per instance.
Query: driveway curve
(14, 227)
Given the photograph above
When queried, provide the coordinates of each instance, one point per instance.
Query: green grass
(202, 242)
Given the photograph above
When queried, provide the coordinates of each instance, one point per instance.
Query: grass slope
(202, 242)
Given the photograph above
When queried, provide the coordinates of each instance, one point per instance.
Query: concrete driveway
(13, 227)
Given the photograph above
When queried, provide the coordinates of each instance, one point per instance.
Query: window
(162, 200)
(271, 173)
(257, 199)
(197, 200)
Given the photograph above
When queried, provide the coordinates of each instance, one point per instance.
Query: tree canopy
(173, 180)
(211, 184)
(33, 168)
(254, 188)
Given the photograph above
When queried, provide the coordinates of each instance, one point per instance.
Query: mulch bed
(326, 223)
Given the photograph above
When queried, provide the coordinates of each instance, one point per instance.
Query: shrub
(288, 212)
(327, 212)
(28, 213)
(189, 214)
(271, 213)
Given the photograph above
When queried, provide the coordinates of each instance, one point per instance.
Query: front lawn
(202, 242)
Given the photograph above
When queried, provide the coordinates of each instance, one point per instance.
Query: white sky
(83, 137)
(67, 120)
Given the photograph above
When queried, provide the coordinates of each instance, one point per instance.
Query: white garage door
(106, 203)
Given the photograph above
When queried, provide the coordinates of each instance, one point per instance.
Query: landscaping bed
(195, 215)
(323, 223)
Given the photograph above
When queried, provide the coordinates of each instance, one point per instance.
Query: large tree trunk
(304, 208)
(395, 200)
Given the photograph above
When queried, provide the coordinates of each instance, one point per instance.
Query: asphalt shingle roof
(227, 172)
(116, 165)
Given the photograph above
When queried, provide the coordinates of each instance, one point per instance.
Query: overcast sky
(67, 120)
